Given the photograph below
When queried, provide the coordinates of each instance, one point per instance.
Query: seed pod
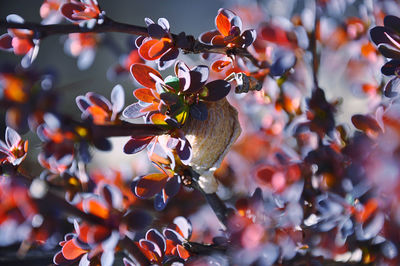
(211, 140)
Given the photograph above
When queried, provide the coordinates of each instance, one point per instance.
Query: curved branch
(43, 31)
(109, 25)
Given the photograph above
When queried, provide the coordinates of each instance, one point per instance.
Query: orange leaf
(183, 253)
(145, 47)
(153, 107)
(144, 95)
(158, 119)
(99, 114)
(159, 48)
(369, 209)
(72, 251)
(219, 65)
(141, 73)
(95, 207)
(223, 24)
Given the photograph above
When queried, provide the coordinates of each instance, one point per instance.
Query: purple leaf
(284, 60)
(184, 151)
(159, 203)
(199, 111)
(392, 87)
(137, 144)
(67, 10)
(378, 35)
(5, 42)
(102, 144)
(137, 220)
(173, 236)
(248, 37)
(172, 54)
(169, 98)
(390, 67)
(154, 236)
(156, 31)
(392, 22)
(99, 100)
(386, 51)
(206, 37)
(172, 186)
(139, 40)
(151, 247)
(149, 185)
(217, 90)
(82, 103)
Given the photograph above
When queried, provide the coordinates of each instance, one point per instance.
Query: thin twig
(216, 204)
(313, 47)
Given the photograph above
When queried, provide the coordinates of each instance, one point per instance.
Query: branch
(127, 129)
(109, 25)
(216, 204)
(43, 31)
(313, 47)
(204, 249)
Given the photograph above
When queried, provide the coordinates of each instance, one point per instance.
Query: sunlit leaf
(72, 251)
(144, 49)
(159, 48)
(142, 72)
(145, 95)
(223, 24)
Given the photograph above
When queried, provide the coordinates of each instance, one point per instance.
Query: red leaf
(223, 24)
(141, 73)
(5, 41)
(68, 9)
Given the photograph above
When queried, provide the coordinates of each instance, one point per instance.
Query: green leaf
(173, 82)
